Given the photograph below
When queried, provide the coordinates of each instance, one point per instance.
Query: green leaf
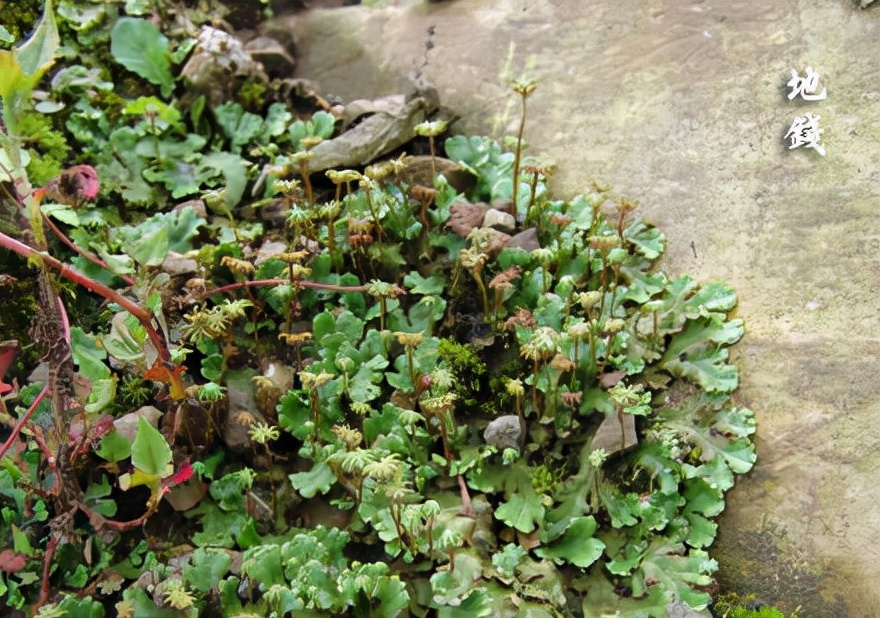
(149, 451)
(38, 52)
(363, 386)
(276, 121)
(322, 124)
(715, 473)
(20, 542)
(164, 113)
(665, 566)
(294, 414)
(139, 46)
(700, 332)
(577, 545)
(114, 447)
(713, 298)
(694, 418)
(601, 600)
(649, 241)
(95, 494)
(126, 340)
(451, 586)
(73, 607)
(521, 512)
(693, 354)
(206, 568)
(239, 126)
(391, 595)
(418, 284)
(88, 356)
(65, 214)
(103, 393)
(144, 606)
(622, 508)
(234, 170)
(151, 248)
(317, 480)
(707, 367)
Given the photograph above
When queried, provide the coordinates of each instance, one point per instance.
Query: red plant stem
(99, 521)
(303, 284)
(47, 566)
(65, 327)
(88, 255)
(40, 439)
(110, 294)
(22, 422)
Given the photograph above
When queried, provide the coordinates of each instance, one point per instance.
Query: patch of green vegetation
(367, 482)
(736, 606)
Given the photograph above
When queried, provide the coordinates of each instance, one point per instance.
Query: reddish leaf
(183, 474)
(11, 562)
(8, 350)
(170, 374)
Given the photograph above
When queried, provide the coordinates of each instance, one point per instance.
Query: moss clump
(20, 17)
(735, 606)
(48, 147)
(463, 361)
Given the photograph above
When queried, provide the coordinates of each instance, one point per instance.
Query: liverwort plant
(440, 422)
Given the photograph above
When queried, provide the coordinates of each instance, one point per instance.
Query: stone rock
(527, 240)
(419, 170)
(499, 220)
(614, 438)
(270, 53)
(373, 137)
(269, 249)
(503, 432)
(219, 64)
(681, 610)
(242, 411)
(176, 264)
(464, 217)
(276, 380)
(185, 496)
(126, 425)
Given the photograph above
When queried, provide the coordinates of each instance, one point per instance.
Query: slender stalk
(300, 282)
(523, 88)
(518, 154)
(143, 316)
(22, 422)
(307, 182)
(533, 189)
(87, 255)
(483, 294)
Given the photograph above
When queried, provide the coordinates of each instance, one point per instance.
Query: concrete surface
(681, 104)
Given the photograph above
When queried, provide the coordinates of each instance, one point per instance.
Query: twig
(301, 283)
(47, 567)
(22, 422)
(88, 255)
